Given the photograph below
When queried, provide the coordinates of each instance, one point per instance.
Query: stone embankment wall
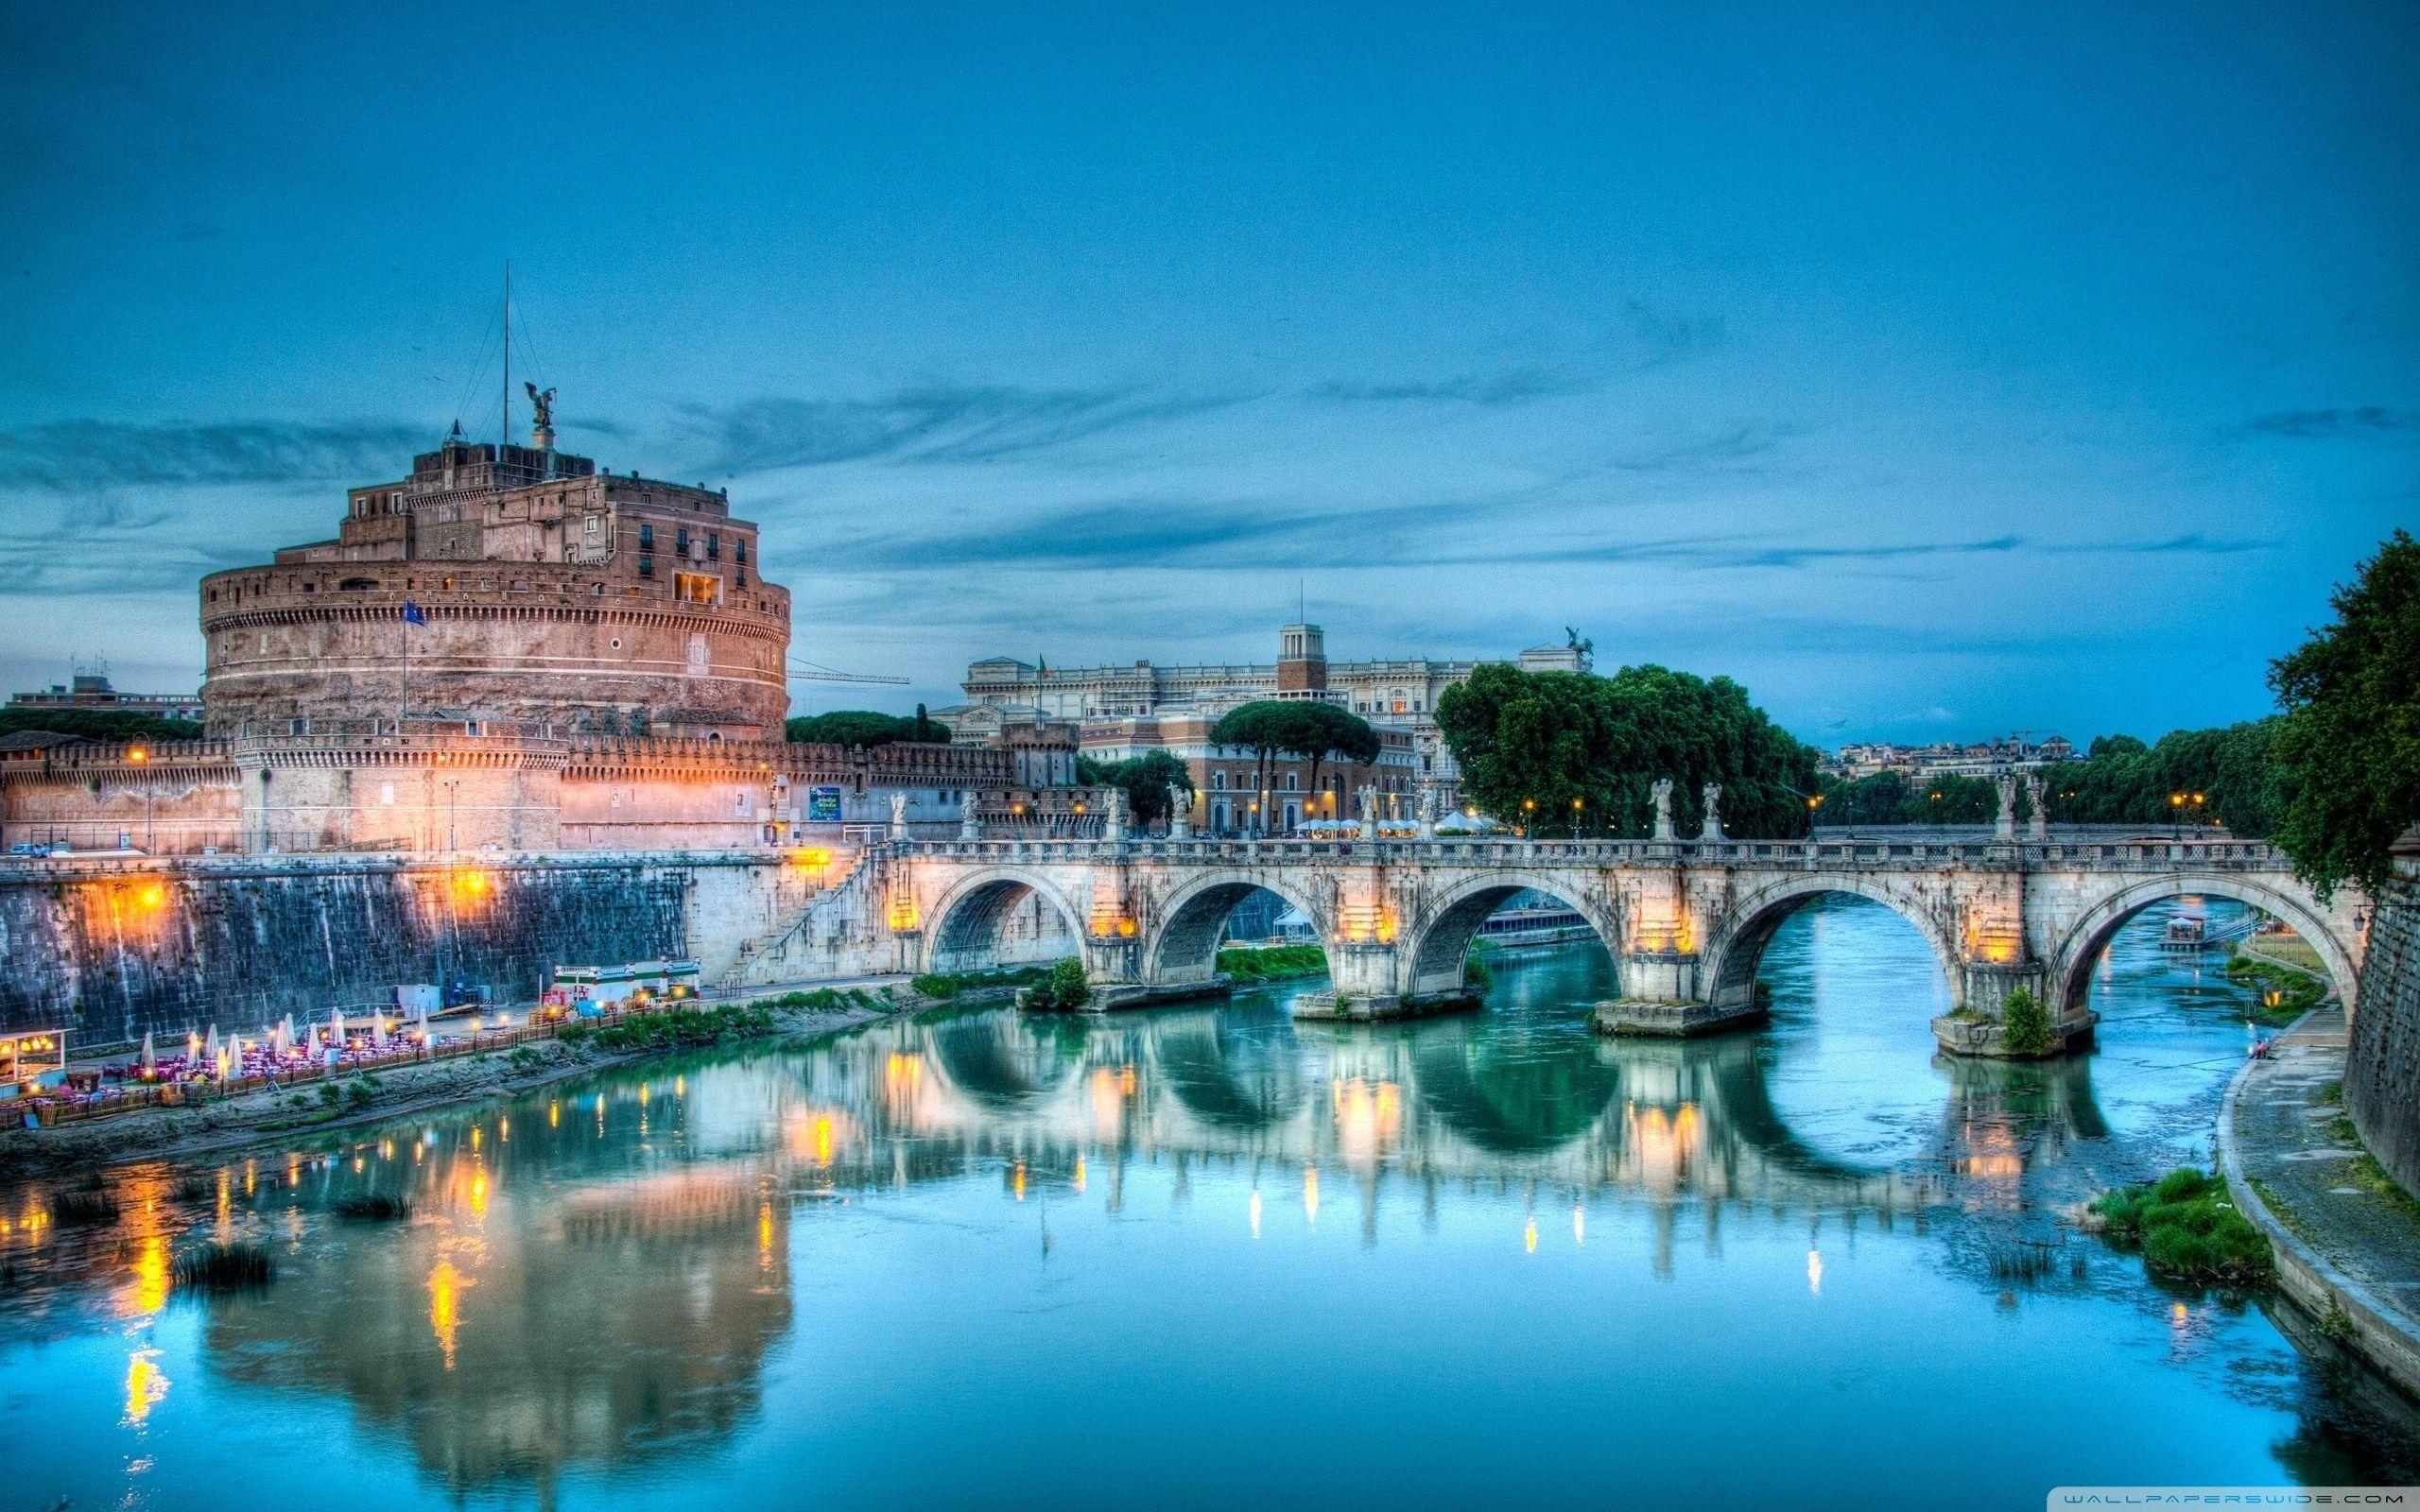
(2382, 1069)
(110, 953)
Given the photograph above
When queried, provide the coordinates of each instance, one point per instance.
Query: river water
(1208, 1258)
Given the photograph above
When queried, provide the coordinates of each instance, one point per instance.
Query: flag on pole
(412, 614)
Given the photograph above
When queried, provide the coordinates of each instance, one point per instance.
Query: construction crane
(816, 672)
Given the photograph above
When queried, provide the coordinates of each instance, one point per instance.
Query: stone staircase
(833, 936)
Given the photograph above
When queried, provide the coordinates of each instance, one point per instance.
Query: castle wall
(182, 798)
(2382, 1064)
(114, 949)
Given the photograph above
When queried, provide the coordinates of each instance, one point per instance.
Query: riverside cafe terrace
(32, 1061)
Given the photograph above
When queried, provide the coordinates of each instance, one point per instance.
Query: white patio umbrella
(210, 1046)
(377, 1031)
(335, 1027)
(151, 1059)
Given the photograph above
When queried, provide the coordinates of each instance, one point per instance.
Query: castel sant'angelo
(508, 648)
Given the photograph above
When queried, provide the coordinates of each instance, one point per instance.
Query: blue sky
(1935, 371)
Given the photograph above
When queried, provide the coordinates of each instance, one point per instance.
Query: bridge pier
(1366, 981)
(1664, 995)
(1978, 1028)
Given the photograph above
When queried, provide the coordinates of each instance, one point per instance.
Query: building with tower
(1124, 710)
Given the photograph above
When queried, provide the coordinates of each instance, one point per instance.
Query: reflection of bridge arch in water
(1663, 1118)
(1007, 1062)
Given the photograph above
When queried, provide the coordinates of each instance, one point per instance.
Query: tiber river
(1209, 1258)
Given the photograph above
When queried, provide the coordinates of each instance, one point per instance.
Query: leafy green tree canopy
(98, 724)
(1531, 743)
(1146, 780)
(2349, 744)
(865, 727)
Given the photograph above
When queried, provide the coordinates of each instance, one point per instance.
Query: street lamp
(1529, 815)
(150, 842)
(1577, 804)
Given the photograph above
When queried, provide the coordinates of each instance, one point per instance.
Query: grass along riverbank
(1248, 964)
(2284, 992)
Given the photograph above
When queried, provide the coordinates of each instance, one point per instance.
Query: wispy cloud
(1724, 450)
(1648, 337)
(1505, 386)
(938, 423)
(2195, 544)
(2308, 424)
(77, 455)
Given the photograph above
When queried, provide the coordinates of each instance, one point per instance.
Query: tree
(2349, 746)
(1145, 779)
(1957, 800)
(863, 727)
(1530, 744)
(1321, 732)
(1263, 727)
(1879, 798)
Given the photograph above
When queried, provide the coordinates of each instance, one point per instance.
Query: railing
(1896, 853)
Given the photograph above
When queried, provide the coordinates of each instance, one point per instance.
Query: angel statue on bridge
(543, 406)
(1662, 793)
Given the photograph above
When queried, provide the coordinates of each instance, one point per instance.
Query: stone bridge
(1685, 920)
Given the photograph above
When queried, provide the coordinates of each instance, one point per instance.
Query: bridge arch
(964, 933)
(1729, 960)
(1185, 945)
(2071, 967)
(1441, 940)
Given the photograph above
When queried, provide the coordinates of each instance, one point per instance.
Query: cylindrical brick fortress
(540, 592)
(529, 642)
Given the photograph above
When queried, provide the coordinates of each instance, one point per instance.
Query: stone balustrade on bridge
(1685, 920)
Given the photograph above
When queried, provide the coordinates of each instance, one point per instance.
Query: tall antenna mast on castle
(504, 437)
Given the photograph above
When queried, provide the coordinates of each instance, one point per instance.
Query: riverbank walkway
(2348, 1238)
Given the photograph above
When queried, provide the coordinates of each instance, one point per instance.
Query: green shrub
(1478, 976)
(2025, 1024)
(359, 1091)
(1063, 990)
(329, 1091)
(943, 985)
(2188, 1231)
(683, 1028)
